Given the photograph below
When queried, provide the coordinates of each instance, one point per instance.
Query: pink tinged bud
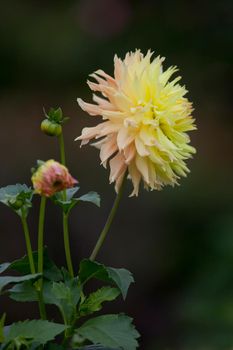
(52, 177)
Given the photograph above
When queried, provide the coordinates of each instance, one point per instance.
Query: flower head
(52, 177)
(145, 119)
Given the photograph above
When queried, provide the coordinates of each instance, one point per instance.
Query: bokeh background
(179, 242)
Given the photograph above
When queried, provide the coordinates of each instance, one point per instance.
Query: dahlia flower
(52, 177)
(145, 120)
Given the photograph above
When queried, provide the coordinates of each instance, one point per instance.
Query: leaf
(70, 202)
(122, 278)
(91, 269)
(64, 295)
(114, 331)
(17, 197)
(11, 191)
(2, 322)
(51, 271)
(34, 331)
(70, 192)
(53, 346)
(4, 267)
(95, 300)
(92, 197)
(23, 292)
(5, 280)
(97, 347)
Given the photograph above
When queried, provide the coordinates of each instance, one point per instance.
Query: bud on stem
(50, 128)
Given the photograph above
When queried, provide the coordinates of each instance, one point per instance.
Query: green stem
(41, 234)
(28, 242)
(41, 253)
(31, 261)
(62, 149)
(41, 304)
(67, 244)
(65, 216)
(108, 222)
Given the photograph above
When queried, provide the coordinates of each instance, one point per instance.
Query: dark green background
(178, 242)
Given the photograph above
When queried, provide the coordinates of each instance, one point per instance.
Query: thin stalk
(31, 261)
(40, 254)
(41, 234)
(65, 216)
(108, 222)
(62, 149)
(67, 245)
(41, 304)
(28, 242)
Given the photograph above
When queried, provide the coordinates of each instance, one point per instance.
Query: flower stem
(62, 149)
(67, 244)
(65, 216)
(108, 222)
(41, 234)
(40, 254)
(31, 262)
(28, 242)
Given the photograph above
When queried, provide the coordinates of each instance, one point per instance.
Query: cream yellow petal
(117, 167)
(89, 107)
(124, 138)
(107, 149)
(147, 120)
(135, 176)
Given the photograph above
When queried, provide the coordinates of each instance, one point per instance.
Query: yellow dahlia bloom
(145, 119)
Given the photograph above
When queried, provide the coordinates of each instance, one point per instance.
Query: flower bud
(16, 204)
(50, 128)
(52, 177)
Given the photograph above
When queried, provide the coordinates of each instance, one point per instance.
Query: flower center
(57, 183)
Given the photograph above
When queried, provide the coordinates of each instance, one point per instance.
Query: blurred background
(179, 242)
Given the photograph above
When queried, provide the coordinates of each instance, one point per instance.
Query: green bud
(50, 128)
(16, 204)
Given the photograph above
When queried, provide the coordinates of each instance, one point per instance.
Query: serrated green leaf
(51, 271)
(122, 278)
(11, 191)
(2, 322)
(94, 301)
(5, 280)
(34, 331)
(23, 292)
(114, 331)
(65, 295)
(97, 347)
